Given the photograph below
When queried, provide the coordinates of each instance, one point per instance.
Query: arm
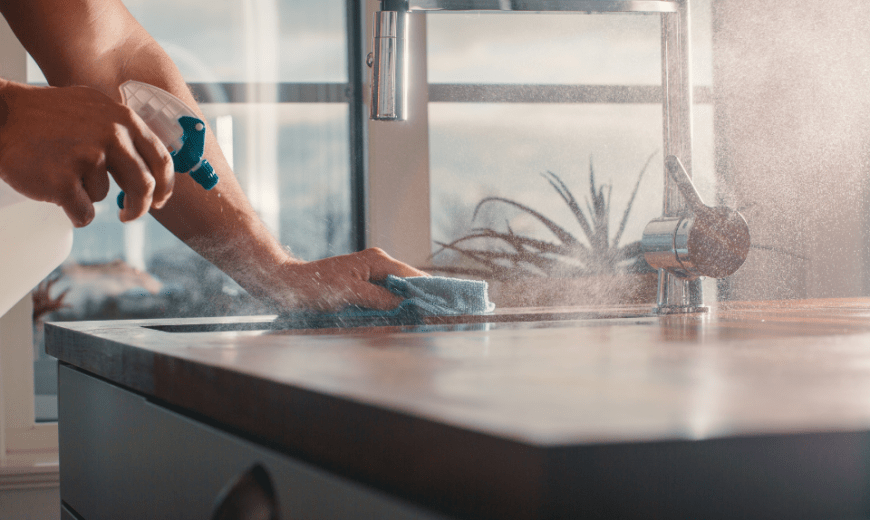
(97, 43)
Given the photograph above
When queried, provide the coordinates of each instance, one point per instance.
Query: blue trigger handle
(189, 157)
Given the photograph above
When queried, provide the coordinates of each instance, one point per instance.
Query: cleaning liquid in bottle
(35, 237)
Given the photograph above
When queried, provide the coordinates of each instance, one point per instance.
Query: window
(513, 97)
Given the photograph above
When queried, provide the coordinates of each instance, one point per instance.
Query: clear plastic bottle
(35, 237)
(177, 126)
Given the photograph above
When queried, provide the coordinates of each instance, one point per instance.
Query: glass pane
(477, 153)
(601, 49)
(300, 184)
(313, 164)
(247, 40)
(520, 153)
(544, 48)
(516, 152)
(301, 190)
(702, 42)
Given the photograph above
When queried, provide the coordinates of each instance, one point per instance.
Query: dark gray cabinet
(125, 457)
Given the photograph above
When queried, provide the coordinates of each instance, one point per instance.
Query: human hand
(59, 144)
(336, 282)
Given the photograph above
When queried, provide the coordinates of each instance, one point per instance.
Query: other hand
(57, 145)
(336, 282)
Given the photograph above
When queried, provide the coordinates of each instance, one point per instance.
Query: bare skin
(39, 122)
(56, 144)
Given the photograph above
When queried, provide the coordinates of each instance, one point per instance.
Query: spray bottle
(176, 125)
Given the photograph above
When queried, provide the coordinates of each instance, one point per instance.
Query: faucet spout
(388, 61)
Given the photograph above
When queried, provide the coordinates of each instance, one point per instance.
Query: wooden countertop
(757, 409)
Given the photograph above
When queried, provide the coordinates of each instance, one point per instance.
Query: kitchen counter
(755, 411)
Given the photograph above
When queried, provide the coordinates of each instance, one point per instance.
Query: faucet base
(669, 310)
(678, 295)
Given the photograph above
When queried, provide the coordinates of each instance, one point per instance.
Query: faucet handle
(678, 173)
(703, 241)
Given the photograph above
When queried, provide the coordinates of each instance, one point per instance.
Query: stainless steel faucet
(389, 63)
(702, 240)
(690, 240)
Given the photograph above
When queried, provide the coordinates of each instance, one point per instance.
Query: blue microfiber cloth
(424, 296)
(439, 295)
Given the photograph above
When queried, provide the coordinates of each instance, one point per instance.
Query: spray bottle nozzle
(176, 126)
(205, 175)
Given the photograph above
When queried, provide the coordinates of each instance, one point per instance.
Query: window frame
(405, 231)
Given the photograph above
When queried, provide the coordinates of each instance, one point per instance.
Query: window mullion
(398, 163)
(356, 51)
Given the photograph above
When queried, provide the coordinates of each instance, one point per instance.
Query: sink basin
(458, 322)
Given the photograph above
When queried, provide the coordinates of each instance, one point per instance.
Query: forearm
(220, 224)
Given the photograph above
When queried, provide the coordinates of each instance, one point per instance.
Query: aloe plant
(507, 254)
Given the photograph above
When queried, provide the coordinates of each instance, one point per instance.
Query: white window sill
(29, 470)
(31, 460)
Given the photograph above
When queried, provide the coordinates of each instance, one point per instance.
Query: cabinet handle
(250, 496)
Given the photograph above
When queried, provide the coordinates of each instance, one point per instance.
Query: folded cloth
(424, 296)
(439, 295)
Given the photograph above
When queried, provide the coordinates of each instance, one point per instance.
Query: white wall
(30, 504)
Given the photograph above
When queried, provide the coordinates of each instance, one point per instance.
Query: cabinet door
(122, 456)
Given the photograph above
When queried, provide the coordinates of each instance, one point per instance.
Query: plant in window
(43, 302)
(505, 255)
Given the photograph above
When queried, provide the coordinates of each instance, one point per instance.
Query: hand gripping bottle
(176, 125)
(36, 237)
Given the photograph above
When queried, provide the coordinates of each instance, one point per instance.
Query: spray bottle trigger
(205, 175)
(189, 157)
